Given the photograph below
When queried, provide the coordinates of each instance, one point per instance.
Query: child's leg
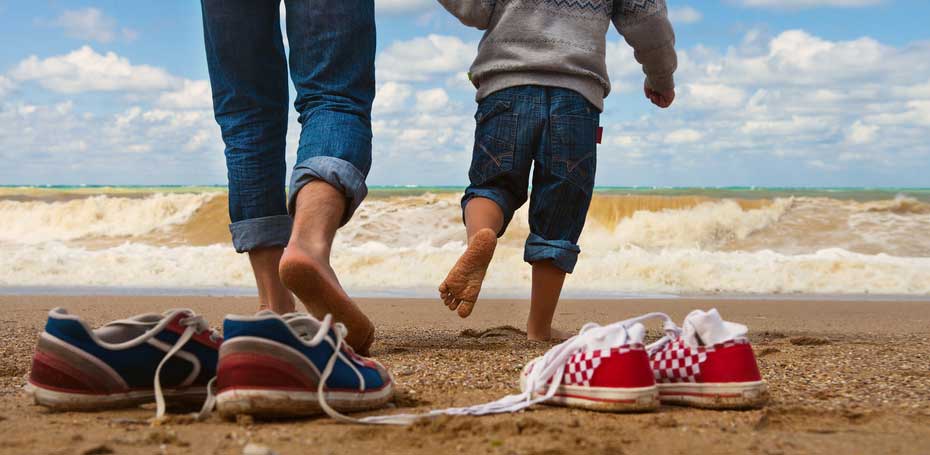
(547, 286)
(507, 122)
(563, 182)
(483, 220)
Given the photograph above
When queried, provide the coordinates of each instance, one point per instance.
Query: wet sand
(845, 377)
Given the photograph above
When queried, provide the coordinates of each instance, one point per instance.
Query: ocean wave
(631, 243)
(706, 226)
(373, 266)
(31, 222)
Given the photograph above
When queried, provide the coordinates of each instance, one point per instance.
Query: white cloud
(403, 6)
(431, 100)
(789, 4)
(423, 58)
(84, 70)
(59, 143)
(91, 24)
(6, 86)
(684, 15)
(191, 95)
(861, 133)
(391, 97)
(794, 97)
(712, 96)
(683, 136)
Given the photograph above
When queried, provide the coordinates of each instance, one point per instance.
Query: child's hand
(661, 99)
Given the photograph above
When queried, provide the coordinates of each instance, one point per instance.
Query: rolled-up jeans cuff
(498, 197)
(339, 173)
(562, 253)
(265, 232)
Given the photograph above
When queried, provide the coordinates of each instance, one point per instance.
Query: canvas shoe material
(295, 365)
(708, 364)
(609, 372)
(602, 367)
(145, 358)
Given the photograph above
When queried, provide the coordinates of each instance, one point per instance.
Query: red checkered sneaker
(607, 370)
(708, 364)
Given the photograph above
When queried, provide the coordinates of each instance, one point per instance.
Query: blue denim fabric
(552, 131)
(332, 52)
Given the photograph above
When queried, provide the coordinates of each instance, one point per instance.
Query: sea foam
(631, 244)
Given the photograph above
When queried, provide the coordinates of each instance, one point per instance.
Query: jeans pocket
(495, 139)
(574, 149)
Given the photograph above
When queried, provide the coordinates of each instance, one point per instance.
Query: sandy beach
(845, 377)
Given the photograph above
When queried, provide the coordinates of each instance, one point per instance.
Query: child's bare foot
(315, 284)
(550, 335)
(463, 284)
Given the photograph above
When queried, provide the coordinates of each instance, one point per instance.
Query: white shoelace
(549, 369)
(193, 325)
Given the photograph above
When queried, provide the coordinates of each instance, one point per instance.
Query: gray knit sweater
(561, 43)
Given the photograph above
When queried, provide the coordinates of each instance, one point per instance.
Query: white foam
(374, 266)
(800, 245)
(31, 222)
(705, 226)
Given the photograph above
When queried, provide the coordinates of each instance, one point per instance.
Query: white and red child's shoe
(604, 368)
(710, 364)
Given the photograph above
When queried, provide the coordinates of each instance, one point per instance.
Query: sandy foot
(314, 282)
(555, 336)
(460, 289)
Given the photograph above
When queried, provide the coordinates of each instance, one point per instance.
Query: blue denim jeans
(332, 52)
(554, 131)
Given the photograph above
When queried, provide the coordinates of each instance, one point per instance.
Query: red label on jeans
(600, 133)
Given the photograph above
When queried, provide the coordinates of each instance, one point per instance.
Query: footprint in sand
(504, 331)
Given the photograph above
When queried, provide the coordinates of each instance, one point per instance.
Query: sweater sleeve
(645, 26)
(473, 13)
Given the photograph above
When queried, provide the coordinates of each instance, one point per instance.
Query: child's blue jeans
(332, 52)
(554, 131)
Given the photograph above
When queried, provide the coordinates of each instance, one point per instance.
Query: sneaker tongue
(633, 334)
(305, 327)
(124, 330)
(707, 328)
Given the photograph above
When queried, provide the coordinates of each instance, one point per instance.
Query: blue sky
(771, 93)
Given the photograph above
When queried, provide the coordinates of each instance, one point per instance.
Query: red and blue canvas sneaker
(294, 365)
(709, 364)
(146, 358)
(606, 370)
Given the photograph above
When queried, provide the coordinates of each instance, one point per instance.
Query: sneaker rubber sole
(290, 403)
(70, 401)
(607, 399)
(734, 395)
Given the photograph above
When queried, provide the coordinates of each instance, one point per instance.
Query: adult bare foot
(461, 287)
(314, 282)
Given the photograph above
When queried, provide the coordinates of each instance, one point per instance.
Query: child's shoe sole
(290, 403)
(724, 395)
(606, 399)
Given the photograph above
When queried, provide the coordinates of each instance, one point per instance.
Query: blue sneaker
(295, 365)
(149, 357)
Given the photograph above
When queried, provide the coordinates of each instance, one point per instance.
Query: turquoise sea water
(861, 194)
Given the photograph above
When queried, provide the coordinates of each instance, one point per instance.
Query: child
(541, 77)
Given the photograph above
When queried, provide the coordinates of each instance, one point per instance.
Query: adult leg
(563, 182)
(248, 75)
(332, 51)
